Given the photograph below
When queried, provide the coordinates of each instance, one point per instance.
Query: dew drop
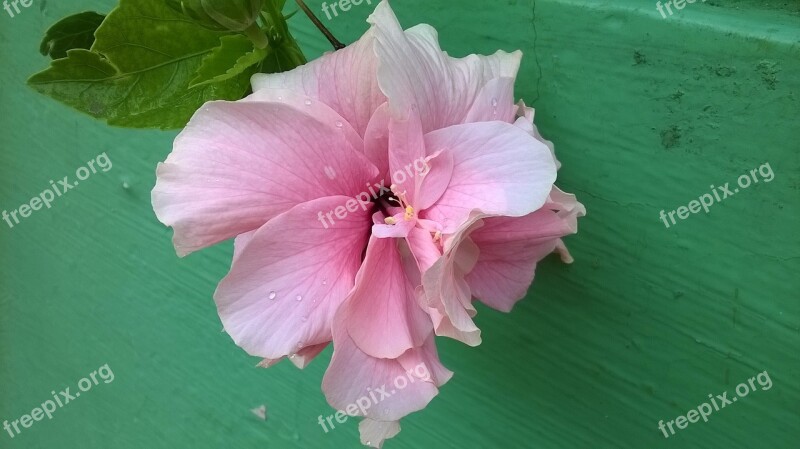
(339, 124)
(272, 295)
(494, 102)
(280, 98)
(308, 102)
(324, 282)
(299, 298)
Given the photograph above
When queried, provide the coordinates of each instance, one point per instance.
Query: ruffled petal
(510, 248)
(525, 121)
(414, 71)
(447, 293)
(499, 169)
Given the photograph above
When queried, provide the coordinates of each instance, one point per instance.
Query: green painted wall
(646, 114)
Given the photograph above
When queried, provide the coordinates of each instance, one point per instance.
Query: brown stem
(335, 42)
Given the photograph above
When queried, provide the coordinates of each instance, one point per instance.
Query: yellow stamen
(389, 220)
(409, 213)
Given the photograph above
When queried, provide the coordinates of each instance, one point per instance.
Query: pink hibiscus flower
(404, 262)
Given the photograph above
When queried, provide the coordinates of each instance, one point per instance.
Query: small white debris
(261, 412)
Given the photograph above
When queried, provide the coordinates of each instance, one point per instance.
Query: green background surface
(646, 114)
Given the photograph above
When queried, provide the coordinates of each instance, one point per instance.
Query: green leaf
(76, 31)
(138, 71)
(282, 59)
(235, 55)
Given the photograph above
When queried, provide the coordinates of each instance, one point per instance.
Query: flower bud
(233, 15)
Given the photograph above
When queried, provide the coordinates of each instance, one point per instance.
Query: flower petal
(320, 110)
(237, 165)
(495, 101)
(468, 334)
(447, 293)
(499, 169)
(525, 121)
(510, 248)
(424, 364)
(300, 360)
(436, 178)
(376, 141)
(413, 70)
(424, 249)
(353, 375)
(306, 355)
(383, 314)
(420, 176)
(400, 229)
(345, 80)
(286, 285)
(374, 433)
(406, 147)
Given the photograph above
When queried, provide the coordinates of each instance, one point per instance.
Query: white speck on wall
(261, 412)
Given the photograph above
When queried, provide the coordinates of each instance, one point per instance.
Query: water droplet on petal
(324, 282)
(308, 102)
(280, 98)
(339, 124)
(494, 102)
(272, 295)
(299, 298)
